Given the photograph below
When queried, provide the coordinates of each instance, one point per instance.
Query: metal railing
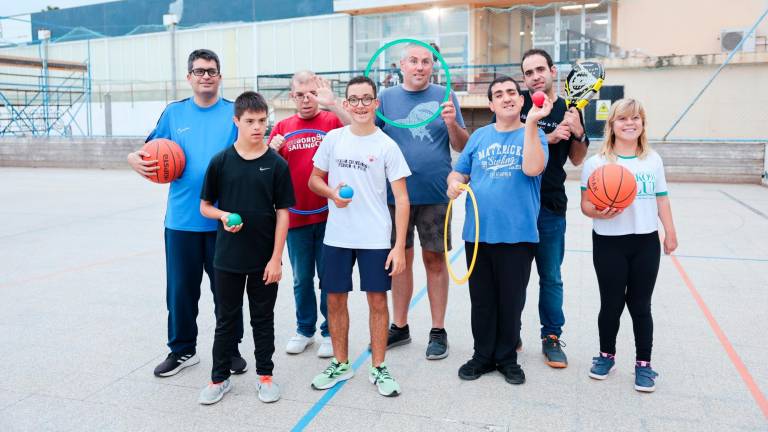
(579, 46)
(471, 79)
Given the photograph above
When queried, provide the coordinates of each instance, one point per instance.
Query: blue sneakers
(602, 365)
(645, 377)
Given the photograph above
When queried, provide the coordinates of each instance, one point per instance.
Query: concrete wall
(733, 107)
(703, 162)
(694, 161)
(67, 152)
(679, 27)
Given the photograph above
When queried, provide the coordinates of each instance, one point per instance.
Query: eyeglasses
(301, 96)
(365, 100)
(213, 73)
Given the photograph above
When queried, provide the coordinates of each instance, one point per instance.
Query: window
(447, 27)
(571, 32)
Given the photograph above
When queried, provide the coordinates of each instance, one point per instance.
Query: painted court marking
(762, 403)
(330, 393)
(749, 207)
(77, 268)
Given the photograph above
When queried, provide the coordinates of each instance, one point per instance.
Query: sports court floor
(83, 323)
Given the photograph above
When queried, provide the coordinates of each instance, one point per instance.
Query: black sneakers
(174, 363)
(238, 366)
(513, 373)
(437, 347)
(473, 370)
(398, 336)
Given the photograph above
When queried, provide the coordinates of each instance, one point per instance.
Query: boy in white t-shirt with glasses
(359, 229)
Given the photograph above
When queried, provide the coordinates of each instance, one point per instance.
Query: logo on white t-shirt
(646, 184)
(351, 163)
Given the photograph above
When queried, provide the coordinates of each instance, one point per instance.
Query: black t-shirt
(254, 189)
(553, 196)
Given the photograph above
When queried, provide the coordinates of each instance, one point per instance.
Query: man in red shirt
(307, 223)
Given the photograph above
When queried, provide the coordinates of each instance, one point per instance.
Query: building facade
(642, 43)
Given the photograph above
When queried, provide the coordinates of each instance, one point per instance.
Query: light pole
(170, 21)
(44, 36)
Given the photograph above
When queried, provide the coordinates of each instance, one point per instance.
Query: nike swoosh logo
(263, 169)
(182, 130)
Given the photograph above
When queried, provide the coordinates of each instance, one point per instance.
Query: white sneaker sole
(190, 362)
(338, 379)
(645, 389)
(438, 356)
(295, 350)
(601, 377)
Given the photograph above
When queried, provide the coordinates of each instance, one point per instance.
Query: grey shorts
(429, 220)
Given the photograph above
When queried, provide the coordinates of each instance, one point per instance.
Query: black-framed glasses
(212, 72)
(365, 100)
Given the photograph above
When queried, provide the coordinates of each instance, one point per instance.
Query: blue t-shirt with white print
(201, 133)
(426, 148)
(507, 200)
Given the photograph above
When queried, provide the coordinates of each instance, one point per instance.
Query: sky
(10, 7)
(17, 29)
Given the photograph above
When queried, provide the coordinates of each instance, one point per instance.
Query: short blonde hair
(630, 107)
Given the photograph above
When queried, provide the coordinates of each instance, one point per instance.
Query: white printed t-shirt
(365, 163)
(641, 217)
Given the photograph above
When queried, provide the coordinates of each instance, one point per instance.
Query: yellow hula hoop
(464, 279)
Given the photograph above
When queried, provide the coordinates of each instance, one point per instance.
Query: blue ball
(346, 192)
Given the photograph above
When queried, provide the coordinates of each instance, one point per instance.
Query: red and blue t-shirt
(298, 150)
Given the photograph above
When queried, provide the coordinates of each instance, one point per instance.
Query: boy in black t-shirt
(249, 179)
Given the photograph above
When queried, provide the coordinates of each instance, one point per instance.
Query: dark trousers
(626, 268)
(497, 292)
(261, 303)
(187, 253)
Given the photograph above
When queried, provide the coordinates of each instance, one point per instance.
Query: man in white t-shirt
(359, 228)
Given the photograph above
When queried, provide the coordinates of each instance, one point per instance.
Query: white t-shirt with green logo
(641, 217)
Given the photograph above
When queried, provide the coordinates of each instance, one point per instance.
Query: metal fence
(469, 79)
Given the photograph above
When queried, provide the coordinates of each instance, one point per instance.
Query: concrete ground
(83, 323)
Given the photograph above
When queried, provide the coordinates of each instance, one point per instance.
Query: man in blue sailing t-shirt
(202, 126)
(427, 151)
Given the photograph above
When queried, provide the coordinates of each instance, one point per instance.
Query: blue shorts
(336, 274)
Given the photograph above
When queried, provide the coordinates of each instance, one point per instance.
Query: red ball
(538, 98)
(612, 186)
(170, 158)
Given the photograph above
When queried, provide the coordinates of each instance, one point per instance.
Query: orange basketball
(169, 157)
(613, 186)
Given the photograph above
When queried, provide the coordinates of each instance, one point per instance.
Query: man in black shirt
(252, 180)
(567, 140)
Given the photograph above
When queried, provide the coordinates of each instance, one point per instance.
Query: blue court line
(705, 257)
(330, 393)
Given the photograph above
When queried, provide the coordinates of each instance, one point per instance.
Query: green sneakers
(332, 375)
(384, 382)
(337, 372)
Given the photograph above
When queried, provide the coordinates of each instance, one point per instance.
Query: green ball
(234, 219)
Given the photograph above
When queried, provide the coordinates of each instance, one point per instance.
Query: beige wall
(734, 106)
(666, 27)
